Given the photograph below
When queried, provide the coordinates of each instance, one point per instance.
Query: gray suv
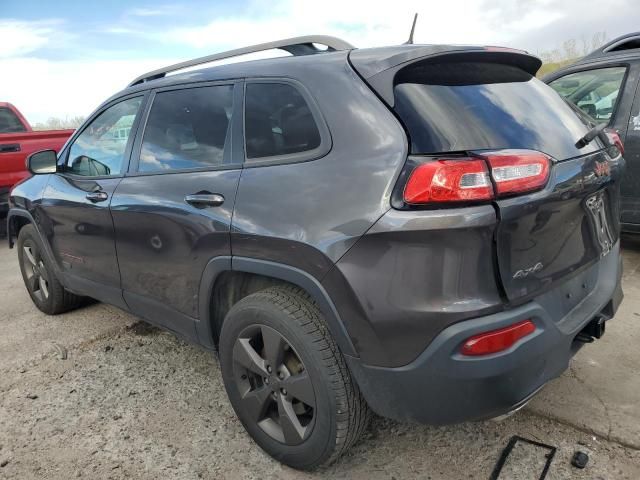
(426, 232)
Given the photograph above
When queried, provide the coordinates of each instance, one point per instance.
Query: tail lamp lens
(497, 340)
(614, 139)
(518, 171)
(467, 179)
(449, 181)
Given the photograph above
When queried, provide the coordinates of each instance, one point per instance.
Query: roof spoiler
(296, 46)
(379, 71)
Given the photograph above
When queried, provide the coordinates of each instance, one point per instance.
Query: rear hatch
(465, 106)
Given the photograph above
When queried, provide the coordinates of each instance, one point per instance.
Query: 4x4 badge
(528, 271)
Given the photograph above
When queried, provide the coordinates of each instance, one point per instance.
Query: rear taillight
(469, 179)
(497, 340)
(614, 139)
(518, 171)
(449, 181)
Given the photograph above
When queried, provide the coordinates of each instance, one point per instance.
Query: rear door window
(278, 121)
(595, 92)
(188, 129)
(456, 107)
(9, 122)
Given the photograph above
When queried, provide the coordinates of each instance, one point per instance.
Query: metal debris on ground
(580, 459)
(524, 459)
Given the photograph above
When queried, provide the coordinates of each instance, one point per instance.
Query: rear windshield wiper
(590, 135)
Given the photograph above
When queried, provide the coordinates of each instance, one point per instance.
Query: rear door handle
(203, 200)
(9, 147)
(97, 196)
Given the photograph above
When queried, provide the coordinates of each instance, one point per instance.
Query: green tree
(569, 52)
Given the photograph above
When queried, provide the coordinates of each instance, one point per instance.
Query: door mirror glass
(42, 162)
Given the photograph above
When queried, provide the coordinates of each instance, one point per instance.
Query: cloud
(45, 88)
(160, 10)
(21, 37)
(151, 37)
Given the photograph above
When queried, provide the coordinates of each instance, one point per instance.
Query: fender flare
(18, 212)
(290, 274)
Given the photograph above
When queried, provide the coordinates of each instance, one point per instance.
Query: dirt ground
(96, 393)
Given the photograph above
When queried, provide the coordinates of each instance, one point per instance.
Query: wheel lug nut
(266, 380)
(269, 368)
(280, 375)
(283, 391)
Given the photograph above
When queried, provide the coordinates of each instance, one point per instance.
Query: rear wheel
(45, 290)
(287, 381)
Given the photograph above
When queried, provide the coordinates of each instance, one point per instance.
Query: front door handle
(97, 196)
(203, 200)
(9, 147)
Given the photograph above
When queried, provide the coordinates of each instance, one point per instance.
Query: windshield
(451, 111)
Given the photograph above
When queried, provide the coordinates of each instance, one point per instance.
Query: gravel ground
(142, 404)
(121, 399)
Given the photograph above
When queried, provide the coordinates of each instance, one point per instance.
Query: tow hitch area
(594, 329)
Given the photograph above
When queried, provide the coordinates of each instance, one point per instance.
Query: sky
(62, 58)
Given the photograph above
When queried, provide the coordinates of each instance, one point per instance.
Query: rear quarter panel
(309, 214)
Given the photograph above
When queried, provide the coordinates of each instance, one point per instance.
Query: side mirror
(44, 161)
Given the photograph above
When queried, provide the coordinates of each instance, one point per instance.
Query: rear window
(9, 122)
(278, 121)
(455, 107)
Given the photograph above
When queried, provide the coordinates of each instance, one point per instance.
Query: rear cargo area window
(278, 121)
(457, 107)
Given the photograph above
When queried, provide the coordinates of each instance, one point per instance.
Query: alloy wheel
(275, 389)
(36, 276)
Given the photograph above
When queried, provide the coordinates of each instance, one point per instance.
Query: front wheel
(45, 290)
(287, 381)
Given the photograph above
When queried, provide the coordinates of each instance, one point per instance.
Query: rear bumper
(442, 386)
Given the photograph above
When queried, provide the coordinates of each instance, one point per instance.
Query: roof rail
(296, 46)
(615, 46)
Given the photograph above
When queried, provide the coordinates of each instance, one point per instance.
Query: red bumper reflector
(497, 340)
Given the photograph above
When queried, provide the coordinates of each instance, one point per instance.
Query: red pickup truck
(17, 141)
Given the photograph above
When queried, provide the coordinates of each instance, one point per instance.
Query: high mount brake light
(466, 179)
(497, 340)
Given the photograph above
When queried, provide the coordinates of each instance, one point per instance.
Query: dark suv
(604, 84)
(426, 231)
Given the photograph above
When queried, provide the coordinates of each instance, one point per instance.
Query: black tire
(339, 414)
(39, 277)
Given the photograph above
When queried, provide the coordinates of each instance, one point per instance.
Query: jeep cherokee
(426, 232)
